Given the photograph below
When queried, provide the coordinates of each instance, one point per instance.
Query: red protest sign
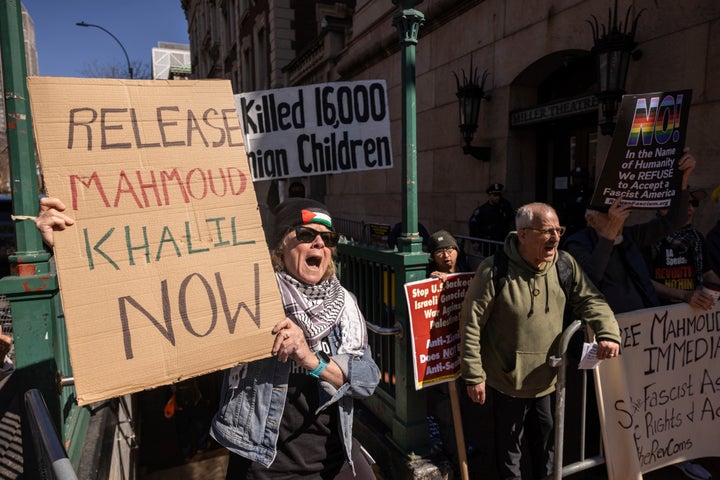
(434, 310)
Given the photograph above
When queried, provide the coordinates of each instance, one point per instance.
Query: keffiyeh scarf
(317, 309)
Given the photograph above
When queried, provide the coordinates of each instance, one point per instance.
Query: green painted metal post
(39, 336)
(19, 131)
(408, 22)
(409, 423)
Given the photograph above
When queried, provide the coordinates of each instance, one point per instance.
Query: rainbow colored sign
(648, 142)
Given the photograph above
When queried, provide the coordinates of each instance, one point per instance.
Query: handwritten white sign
(660, 400)
(316, 129)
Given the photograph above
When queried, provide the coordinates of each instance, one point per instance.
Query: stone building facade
(251, 42)
(537, 56)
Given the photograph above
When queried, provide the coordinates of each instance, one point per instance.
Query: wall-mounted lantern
(470, 93)
(613, 49)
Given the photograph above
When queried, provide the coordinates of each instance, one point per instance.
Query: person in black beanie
(290, 415)
(293, 412)
(445, 256)
(445, 259)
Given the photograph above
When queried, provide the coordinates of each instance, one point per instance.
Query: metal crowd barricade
(53, 462)
(476, 249)
(561, 362)
(351, 229)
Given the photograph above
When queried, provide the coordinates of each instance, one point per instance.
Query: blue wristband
(324, 361)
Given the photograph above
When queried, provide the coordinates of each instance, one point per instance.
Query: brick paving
(11, 450)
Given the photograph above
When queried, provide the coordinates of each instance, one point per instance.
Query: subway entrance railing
(376, 274)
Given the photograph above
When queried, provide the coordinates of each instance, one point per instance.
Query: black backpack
(563, 266)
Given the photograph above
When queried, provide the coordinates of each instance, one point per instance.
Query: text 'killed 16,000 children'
(331, 132)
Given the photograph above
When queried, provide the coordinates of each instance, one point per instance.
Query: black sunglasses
(308, 235)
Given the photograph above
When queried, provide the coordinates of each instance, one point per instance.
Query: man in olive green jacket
(508, 336)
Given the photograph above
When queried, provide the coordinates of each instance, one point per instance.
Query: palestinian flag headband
(309, 216)
(299, 211)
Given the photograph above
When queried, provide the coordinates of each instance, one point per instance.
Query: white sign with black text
(316, 129)
(660, 399)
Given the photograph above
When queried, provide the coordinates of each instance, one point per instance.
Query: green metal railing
(41, 355)
(370, 274)
(376, 275)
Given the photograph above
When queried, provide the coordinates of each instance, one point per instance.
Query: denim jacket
(253, 399)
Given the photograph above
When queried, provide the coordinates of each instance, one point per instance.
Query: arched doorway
(556, 107)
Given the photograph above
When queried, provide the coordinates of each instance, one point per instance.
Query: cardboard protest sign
(434, 310)
(642, 163)
(166, 273)
(660, 399)
(316, 129)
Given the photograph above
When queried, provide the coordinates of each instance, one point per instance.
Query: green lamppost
(408, 22)
(409, 424)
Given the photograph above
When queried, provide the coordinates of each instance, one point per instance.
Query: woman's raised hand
(50, 218)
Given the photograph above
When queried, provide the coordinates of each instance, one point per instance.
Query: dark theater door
(566, 153)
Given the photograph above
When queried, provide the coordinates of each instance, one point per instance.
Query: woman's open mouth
(314, 261)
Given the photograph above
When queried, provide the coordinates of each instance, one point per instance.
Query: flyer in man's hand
(589, 359)
(642, 163)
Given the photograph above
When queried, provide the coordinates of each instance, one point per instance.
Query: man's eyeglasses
(695, 203)
(547, 231)
(444, 251)
(308, 235)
